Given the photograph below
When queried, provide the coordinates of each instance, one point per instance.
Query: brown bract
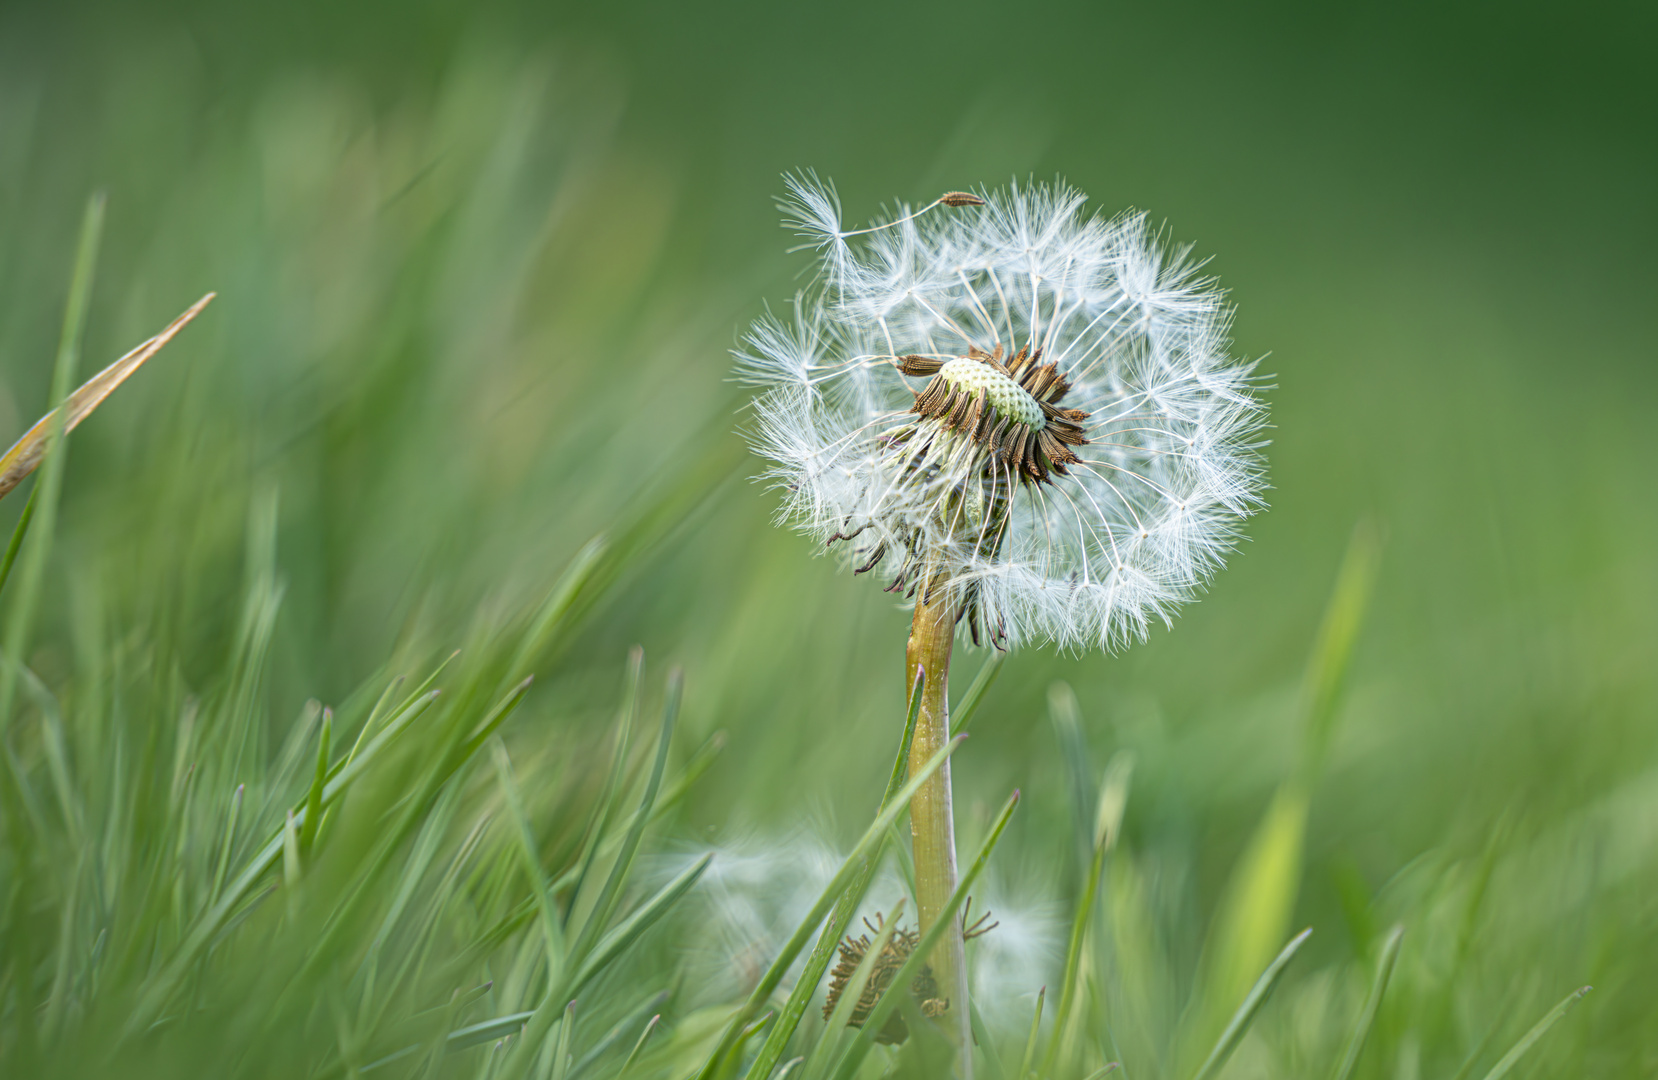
(1031, 453)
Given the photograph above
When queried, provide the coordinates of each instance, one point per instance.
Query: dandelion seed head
(1005, 396)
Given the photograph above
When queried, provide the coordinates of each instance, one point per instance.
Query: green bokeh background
(480, 267)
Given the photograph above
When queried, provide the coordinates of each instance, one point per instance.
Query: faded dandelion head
(1004, 397)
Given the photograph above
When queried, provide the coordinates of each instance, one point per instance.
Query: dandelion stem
(932, 828)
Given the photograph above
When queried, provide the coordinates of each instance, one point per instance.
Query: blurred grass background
(479, 266)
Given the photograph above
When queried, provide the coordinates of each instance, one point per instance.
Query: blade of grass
(561, 1048)
(1538, 1030)
(1029, 1057)
(627, 1066)
(605, 807)
(226, 844)
(613, 1037)
(628, 930)
(866, 847)
(313, 798)
(518, 1062)
(1108, 818)
(610, 894)
(976, 690)
(1260, 896)
(899, 989)
(161, 988)
(823, 953)
(26, 454)
(45, 445)
(552, 930)
(18, 533)
(1258, 995)
(1372, 1002)
(1066, 717)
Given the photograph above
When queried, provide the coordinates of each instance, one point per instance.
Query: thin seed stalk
(932, 826)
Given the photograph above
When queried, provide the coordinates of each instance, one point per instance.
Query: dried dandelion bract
(1007, 397)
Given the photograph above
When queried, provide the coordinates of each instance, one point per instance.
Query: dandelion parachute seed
(1000, 396)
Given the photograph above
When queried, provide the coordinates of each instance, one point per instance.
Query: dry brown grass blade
(25, 454)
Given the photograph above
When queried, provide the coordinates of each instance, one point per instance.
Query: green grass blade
(605, 807)
(1029, 1058)
(1261, 894)
(1108, 817)
(18, 533)
(51, 480)
(290, 855)
(613, 1037)
(1258, 995)
(1372, 1002)
(1538, 1030)
(899, 989)
(161, 988)
(970, 701)
(561, 1049)
(313, 798)
(633, 1055)
(630, 928)
(983, 1041)
(1337, 634)
(1066, 717)
(559, 603)
(552, 930)
(604, 906)
(823, 953)
(486, 1031)
(866, 847)
(226, 844)
(518, 1063)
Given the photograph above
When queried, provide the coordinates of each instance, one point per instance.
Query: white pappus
(1005, 397)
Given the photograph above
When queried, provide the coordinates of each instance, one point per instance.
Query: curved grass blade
(161, 989)
(1501, 1068)
(599, 820)
(20, 531)
(561, 1048)
(627, 1066)
(614, 1036)
(518, 1063)
(26, 454)
(981, 683)
(845, 907)
(313, 798)
(1108, 819)
(1029, 1059)
(1258, 995)
(899, 989)
(22, 458)
(1367, 1015)
(629, 929)
(552, 931)
(866, 848)
(610, 894)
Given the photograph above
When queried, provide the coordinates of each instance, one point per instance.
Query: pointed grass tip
(26, 454)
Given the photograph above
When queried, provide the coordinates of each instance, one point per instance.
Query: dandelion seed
(1007, 399)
